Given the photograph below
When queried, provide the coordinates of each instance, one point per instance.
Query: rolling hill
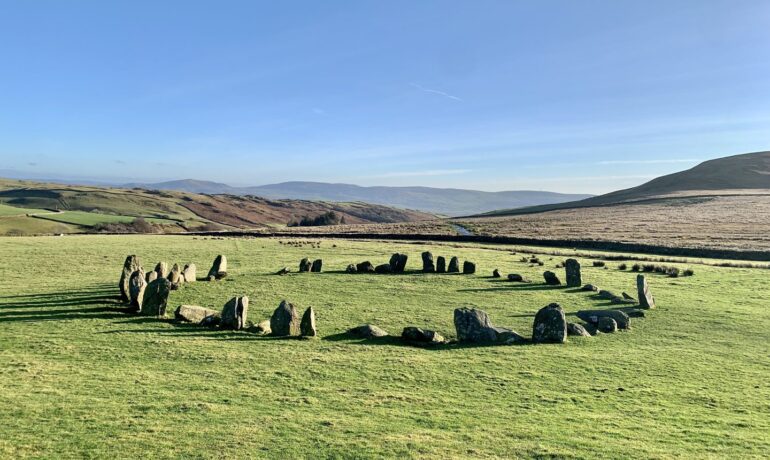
(41, 208)
(445, 201)
(737, 174)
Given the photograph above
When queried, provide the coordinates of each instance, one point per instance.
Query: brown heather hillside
(30, 207)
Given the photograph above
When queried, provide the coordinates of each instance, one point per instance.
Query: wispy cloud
(319, 111)
(647, 162)
(431, 172)
(435, 91)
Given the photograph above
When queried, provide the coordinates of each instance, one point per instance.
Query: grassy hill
(40, 208)
(738, 174)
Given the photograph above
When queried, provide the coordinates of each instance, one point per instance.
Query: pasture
(81, 378)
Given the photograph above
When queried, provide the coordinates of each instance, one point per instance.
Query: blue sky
(573, 96)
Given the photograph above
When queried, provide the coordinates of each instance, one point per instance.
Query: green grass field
(89, 219)
(82, 379)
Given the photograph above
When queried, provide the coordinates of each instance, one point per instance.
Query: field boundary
(707, 253)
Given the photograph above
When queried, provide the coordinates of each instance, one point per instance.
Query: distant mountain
(738, 172)
(449, 201)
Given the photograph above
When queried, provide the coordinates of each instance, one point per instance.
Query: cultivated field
(81, 378)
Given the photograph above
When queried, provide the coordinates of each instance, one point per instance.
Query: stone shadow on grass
(394, 340)
(100, 302)
(516, 286)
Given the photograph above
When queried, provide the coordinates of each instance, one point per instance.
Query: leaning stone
(365, 267)
(351, 268)
(193, 313)
(454, 265)
(161, 269)
(190, 273)
(643, 290)
(572, 268)
(317, 266)
(495, 273)
(175, 275)
(551, 279)
(550, 325)
(155, 298)
(592, 317)
(136, 287)
(474, 326)
(130, 265)
(383, 268)
(235, 313)
(367, 331)
(590, 287)
(469, 268)
(421, 336)
(285, 320)
(219, 268)
(574, 329)
(307, 325)
(427, 262)
(440, 264)
(607, 325)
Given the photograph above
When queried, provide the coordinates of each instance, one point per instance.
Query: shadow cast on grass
(99, 302)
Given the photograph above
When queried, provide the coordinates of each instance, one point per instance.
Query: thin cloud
(432, 172)
(435, 91)
(647, 162)
(319, 111)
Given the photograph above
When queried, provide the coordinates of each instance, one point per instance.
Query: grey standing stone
(317, 266)
(440, 264)
(398, 262)
(193, 313)
(427, 262)
(454, 265)
(155, 299)
(469, 268)
(495, 273)
(235, 313)
(161, 269)
(130, 265)
(307, 325)
(551, 279)
(365, 267)
(285, 320)
(305, 265)
(190, 273)
(550, 325)
(175, 275)
(474, 326)
(218, 269)
(136, 287)
(151, 276)
(643, 290)
(572, 268)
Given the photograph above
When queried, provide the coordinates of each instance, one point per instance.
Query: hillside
(721, 176)
(445, 201)
(40, 208)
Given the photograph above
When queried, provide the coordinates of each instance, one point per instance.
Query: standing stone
(307, 325)
(305, 265)
(454, 265)
(469, 268)
(130, 265)
(365, 267)
(495, 273)
(161, 269)
(136, 287)
(643, 291)
(474, 326)
(175, 275)
(427, 262)
(155, 298)
(218, 268)
(607, 325)
(190, 273)
(235, 313)
(285, 320)
(317, 266)
(152, 276)
(551, 279)
(550, 325)
(351, 268)
(398, 262)
(440, 264)
(572, 267)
